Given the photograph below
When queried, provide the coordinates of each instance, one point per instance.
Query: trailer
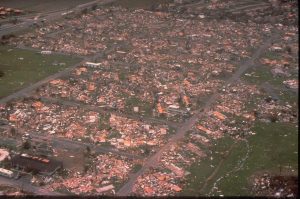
(93, 65)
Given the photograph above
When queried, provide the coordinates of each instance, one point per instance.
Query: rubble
(195, 149)
(35, 116)
(105, 171)
(156, 183)
(215, 134)
(275, 186)
(106, 188)
(230, 103)
(276, 112)
(219, 115)
(8, 190)
(291, 83)
(136, 134)
(7, 12)
(4, 154)
(74, 123)
(178, 171)
(177, 155)
(201, 139)
(164, 71)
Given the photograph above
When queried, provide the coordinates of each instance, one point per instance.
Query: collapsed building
(41, 165)
(4, 154)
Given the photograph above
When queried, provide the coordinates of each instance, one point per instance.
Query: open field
(233, 164)
(23, 67)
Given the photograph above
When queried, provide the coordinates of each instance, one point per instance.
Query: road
(28, 21)
(27, 90)
(72, 145)
(153, 161)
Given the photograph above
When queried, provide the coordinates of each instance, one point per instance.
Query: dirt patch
(71, 161)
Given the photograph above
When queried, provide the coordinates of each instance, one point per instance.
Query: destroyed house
(38, 164)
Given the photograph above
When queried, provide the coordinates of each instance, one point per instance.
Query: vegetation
(272, 148)
(262, 74)
(136, 168)
(22, 68)
(104, 122)
(144, 107)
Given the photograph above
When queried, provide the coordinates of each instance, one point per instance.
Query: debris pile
(34, 116)
(276, 186)
(4, 154)
(135, 133)
(101, 177)
(157, 183)
(272, 111)
(6, 12)
(293, 83)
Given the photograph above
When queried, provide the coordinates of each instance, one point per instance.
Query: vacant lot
(22, 67)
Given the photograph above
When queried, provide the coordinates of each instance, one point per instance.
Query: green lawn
(24, 67)
(272, 147)
(201, 170)
(145, 108)
(262, 74)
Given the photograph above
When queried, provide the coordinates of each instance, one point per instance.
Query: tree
(26, 145)
(94, 7)
(84, 11)
(12, 131)
(87, 151)
(86, 168)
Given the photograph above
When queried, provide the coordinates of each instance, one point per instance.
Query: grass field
(23, 67)
(271, 148)
(42, 5)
